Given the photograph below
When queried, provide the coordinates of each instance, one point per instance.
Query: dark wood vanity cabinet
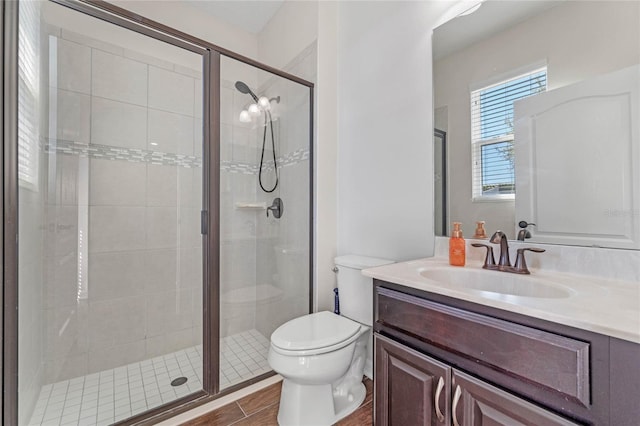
(411, 388)
(479, 403)
(414, 389)
(443, 361)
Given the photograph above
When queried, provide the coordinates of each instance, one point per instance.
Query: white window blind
(492, 133)
(28, 94)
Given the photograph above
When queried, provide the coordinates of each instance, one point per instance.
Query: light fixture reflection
(254, 110)
(244, 116)
(264, 103)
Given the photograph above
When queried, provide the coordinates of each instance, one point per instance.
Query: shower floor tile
(113, 395)
(243, 356)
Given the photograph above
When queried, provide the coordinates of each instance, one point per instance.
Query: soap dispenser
(480, 234)
(457, 246)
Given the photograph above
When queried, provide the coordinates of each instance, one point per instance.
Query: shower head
(243, 88)
(263, 104)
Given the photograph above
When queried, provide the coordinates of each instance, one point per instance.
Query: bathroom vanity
(448, 356)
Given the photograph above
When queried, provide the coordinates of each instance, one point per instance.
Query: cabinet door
(477, 403)
(410, 388)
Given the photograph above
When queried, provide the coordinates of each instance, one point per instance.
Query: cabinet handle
(437, 400)
(456, 399)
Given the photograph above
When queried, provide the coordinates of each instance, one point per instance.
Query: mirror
(538, 104)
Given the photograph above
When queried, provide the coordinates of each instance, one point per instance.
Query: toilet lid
(314, 331)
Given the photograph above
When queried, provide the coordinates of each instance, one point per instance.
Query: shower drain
(179, 381)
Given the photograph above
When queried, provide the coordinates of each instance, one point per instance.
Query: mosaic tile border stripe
(241, 168)
(290, 159)
(134, 155)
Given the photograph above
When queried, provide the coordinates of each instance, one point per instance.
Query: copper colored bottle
(456, 246)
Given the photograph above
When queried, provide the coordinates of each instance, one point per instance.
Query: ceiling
(491, 18)
(249, 15)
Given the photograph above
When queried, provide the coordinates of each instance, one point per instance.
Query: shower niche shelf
(250, 206)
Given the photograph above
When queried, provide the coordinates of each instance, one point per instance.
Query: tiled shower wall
(123, 243)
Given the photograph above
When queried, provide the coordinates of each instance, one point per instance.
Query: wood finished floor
(261, 409)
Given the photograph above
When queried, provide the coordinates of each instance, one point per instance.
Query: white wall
(601, 39)
(288, 32)
(326, 155)
(180, 15)
(385, 128)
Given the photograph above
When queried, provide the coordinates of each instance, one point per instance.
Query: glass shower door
(265, 199)
(110, 189)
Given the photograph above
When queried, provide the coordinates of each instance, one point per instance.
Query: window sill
(495, 199)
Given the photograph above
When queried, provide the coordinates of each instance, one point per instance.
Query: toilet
(322, 356)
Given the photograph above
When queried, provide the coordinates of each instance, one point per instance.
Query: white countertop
(600, 305)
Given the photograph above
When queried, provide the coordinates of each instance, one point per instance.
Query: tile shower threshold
(113, 395)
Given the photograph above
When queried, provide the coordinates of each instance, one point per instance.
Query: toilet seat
(313, 334)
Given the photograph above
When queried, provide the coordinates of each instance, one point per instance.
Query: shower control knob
(276, 208)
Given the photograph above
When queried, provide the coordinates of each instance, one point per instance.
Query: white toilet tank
(356, 295)
(354, 289)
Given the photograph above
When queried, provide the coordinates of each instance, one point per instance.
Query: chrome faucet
(500, 237)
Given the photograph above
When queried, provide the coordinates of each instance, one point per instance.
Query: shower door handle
(204, 222)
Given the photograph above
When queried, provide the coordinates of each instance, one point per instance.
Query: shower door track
(211, 194)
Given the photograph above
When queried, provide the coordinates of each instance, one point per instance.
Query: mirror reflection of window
(492, 133)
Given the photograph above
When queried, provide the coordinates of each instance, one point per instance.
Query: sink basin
(494, 283)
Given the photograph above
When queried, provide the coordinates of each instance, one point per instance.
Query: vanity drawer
(556, 363)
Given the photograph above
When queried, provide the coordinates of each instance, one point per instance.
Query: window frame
(476, 170)
(477, 143)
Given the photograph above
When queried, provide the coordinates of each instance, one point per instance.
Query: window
(492, 133)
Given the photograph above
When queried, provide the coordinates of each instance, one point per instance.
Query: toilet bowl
(322, 356)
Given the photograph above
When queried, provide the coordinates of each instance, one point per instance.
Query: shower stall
(162, 228)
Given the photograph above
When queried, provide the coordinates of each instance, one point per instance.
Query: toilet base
(345, 405)
(316, 405)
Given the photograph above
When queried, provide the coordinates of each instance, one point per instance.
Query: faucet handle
(489, 260)
(520, 266)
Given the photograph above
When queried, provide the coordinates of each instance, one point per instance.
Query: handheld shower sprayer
(242, 87)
